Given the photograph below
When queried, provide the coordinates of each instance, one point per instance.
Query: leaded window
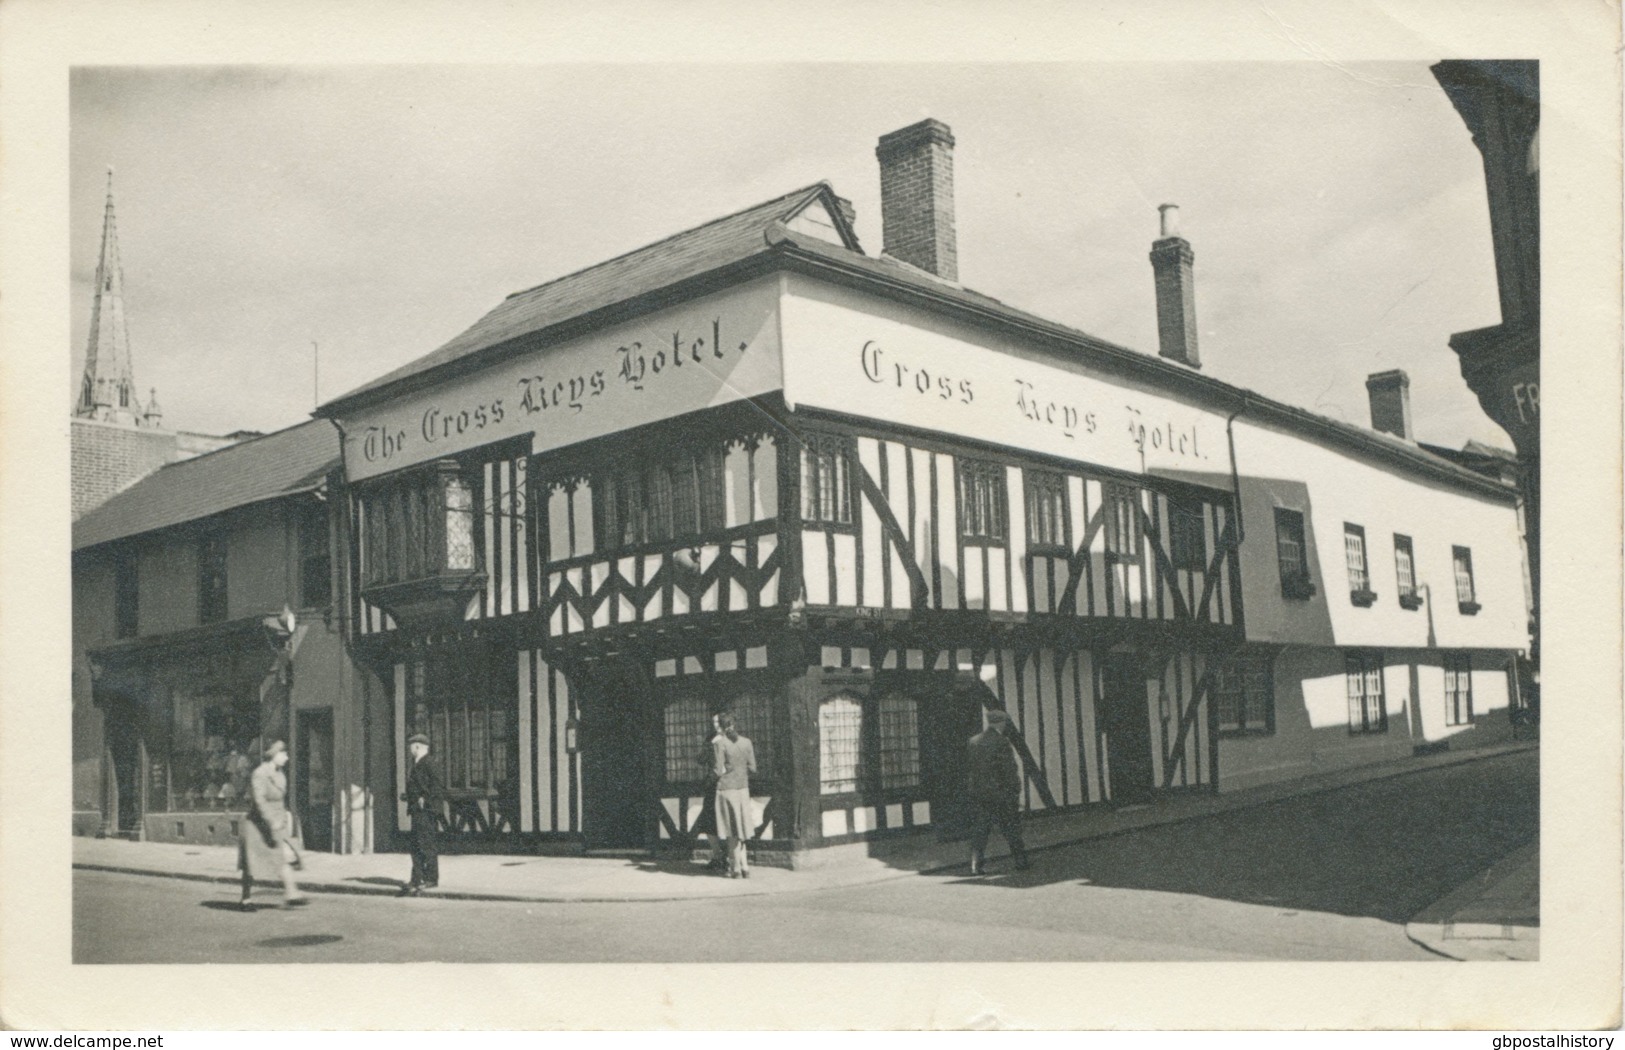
(1363, 676)
(1047, 523)
(416, 525)
(826, 485)
(670, 497)
(1187, 538)
(1122, 521)
(755, 716)
(840, 744)
(688, 728)
(456, 699)
(982, 511)
(899, 742)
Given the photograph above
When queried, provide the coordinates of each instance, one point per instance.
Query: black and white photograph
(950, 511)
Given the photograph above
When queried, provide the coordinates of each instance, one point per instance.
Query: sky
(1336, 211)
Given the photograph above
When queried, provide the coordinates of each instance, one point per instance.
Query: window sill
(1469, 608)
(1411, 601)
(1232, 734)
(1299, 590)
(1364, 599)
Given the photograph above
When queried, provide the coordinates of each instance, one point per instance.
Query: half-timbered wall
(733, 568)
(908, 545)
(501, 538)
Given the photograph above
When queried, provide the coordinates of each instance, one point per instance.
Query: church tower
(107, 392)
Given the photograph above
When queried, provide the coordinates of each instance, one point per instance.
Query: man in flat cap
(424, 793)
(995, 790)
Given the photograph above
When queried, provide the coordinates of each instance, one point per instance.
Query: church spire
(107, 391)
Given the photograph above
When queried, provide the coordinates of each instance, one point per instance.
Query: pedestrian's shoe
(243, 905)
(298, 902)
(975, 865)
(410, 890)
(430, 885)
(745, 874)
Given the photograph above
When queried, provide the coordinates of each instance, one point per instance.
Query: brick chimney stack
(917, 197)
(1171, 262)
(1390, 394)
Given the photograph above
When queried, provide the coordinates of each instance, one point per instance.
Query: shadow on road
(1384, 849)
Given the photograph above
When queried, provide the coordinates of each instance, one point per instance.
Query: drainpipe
(1241, 534)
(1235, 475)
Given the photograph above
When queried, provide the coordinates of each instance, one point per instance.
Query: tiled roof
(718, 243)
(280, 464)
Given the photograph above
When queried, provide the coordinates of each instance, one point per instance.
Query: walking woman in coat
(735, 759)
(266, 843)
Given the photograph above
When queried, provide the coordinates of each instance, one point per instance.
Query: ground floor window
(1244, 693)
(686, 725)
(456, 697)
(1367, 712)
(868, 743)
(1458, 689)
(214, 745)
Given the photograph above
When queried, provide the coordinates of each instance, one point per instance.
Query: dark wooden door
(124, 751)
(313, 778)
(949, 717)
(617, 808)
(1127, 725)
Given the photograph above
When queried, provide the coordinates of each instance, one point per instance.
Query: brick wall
(917, 197)
(108, 458)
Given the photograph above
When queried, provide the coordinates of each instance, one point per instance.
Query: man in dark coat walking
(995, 791)
(424, 793)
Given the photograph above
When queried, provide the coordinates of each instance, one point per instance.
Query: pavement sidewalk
(1506, 897)
(1493, 915)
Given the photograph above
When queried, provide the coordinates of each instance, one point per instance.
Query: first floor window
(1404, 566)
(1187, 540)
(982, 514)
(1354, 557)
(1458, 689)
(414, 526)
(1291, 554)
(826, 487)
(211, 577)
(126, 598)
(1122, 521)
(1046, 511)
(1367, 712)
(315, 559)
(1244, 693)
(840, 744)
(1466, 594)
(653, 500)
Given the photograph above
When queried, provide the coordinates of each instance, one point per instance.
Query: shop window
(315, 557)
(1244, 693)
(673, 497)
(1405, 572)
(1466, 594)
(826, 483)
(214, 744)
(840, 744)
(1291, 554)
(1458, 689)
(899, 742)
(982, 512)
(1187, 539)
(126, 598)
(454, 698)
(211, 577)
(1354, 558)
(1363, 673)
(1047, 524)
(1122, 521)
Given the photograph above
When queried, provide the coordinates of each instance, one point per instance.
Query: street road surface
(1328, 876)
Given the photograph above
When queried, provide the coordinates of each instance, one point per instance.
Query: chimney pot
(1170, 219)
(917, 197)
(1390, 394)
(1172, 263)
